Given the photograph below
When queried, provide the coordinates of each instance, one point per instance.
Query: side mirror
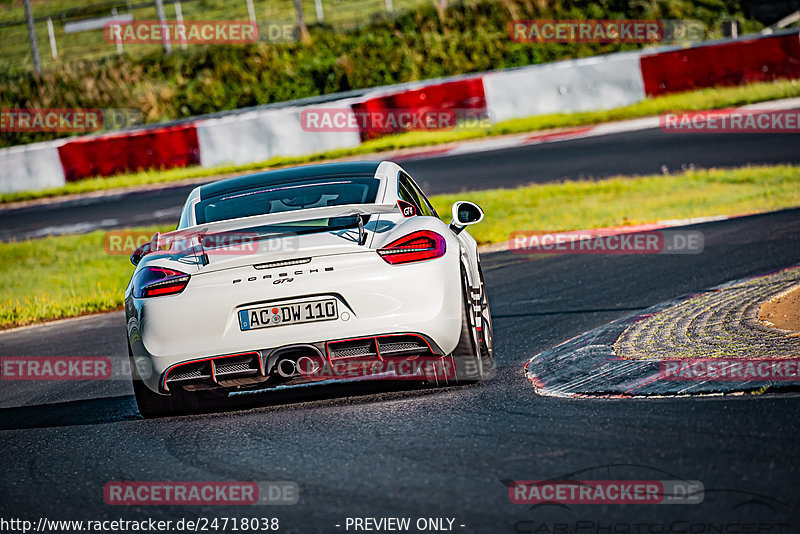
(140, 252)
(464, 214)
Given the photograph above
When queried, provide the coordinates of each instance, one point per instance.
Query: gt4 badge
(407, 208)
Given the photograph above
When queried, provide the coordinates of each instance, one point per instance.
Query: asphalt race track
(640, 152)
(418, 452)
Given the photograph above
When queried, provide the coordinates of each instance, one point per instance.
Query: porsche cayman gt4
(309, 274)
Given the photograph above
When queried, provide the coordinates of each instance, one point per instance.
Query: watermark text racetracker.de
(55, 367)
(392, 120)
(187, 32)
(125, 242)
(730, 370)
(541, 31)
(67, 120)
(569, 504)
(200, 493)
(731, 121)
(607, 241)
(606, 491)
(384, 368)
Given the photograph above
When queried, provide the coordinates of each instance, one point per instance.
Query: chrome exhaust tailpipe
(307, 365)
(287, 368)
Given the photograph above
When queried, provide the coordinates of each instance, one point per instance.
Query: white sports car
(305, 274)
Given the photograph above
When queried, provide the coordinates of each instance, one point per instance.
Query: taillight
(417, 246)
(158, 281)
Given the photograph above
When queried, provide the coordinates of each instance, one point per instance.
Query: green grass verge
(714, 98)
(59, 277)
(574, 205)
(72, 275)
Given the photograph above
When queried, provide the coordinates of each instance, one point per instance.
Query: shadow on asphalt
(105, 410)
(82, 412)
(564, 312)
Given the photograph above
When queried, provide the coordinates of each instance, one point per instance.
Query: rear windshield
(280, 198)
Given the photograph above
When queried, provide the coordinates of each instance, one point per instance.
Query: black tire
(466, 356)
(179, 402)
(486, 334)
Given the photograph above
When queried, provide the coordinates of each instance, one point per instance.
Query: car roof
(289, 175)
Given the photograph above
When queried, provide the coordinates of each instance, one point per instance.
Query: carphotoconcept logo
(731, 121)
(607, 241)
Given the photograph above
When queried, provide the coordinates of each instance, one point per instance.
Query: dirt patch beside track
(782, 311)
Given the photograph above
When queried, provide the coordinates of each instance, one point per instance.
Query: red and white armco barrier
(31, 167)
(587, 84)
(727, 63)
(463, 94)
(263, 134)
(106, 155)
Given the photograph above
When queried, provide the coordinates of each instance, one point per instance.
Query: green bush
(419, 44)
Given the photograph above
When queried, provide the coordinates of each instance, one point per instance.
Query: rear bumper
(259, 368)
(201, 324)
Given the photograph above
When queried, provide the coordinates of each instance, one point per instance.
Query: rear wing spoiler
(185, 237)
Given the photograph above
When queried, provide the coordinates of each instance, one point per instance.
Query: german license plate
(310, 311)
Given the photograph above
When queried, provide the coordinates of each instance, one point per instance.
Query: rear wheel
(466, 356)
(486, 332)
(179, 402)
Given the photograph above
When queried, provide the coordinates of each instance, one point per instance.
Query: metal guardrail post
(37, 61)
(162, 18)
(179, 20)
(52, 35)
